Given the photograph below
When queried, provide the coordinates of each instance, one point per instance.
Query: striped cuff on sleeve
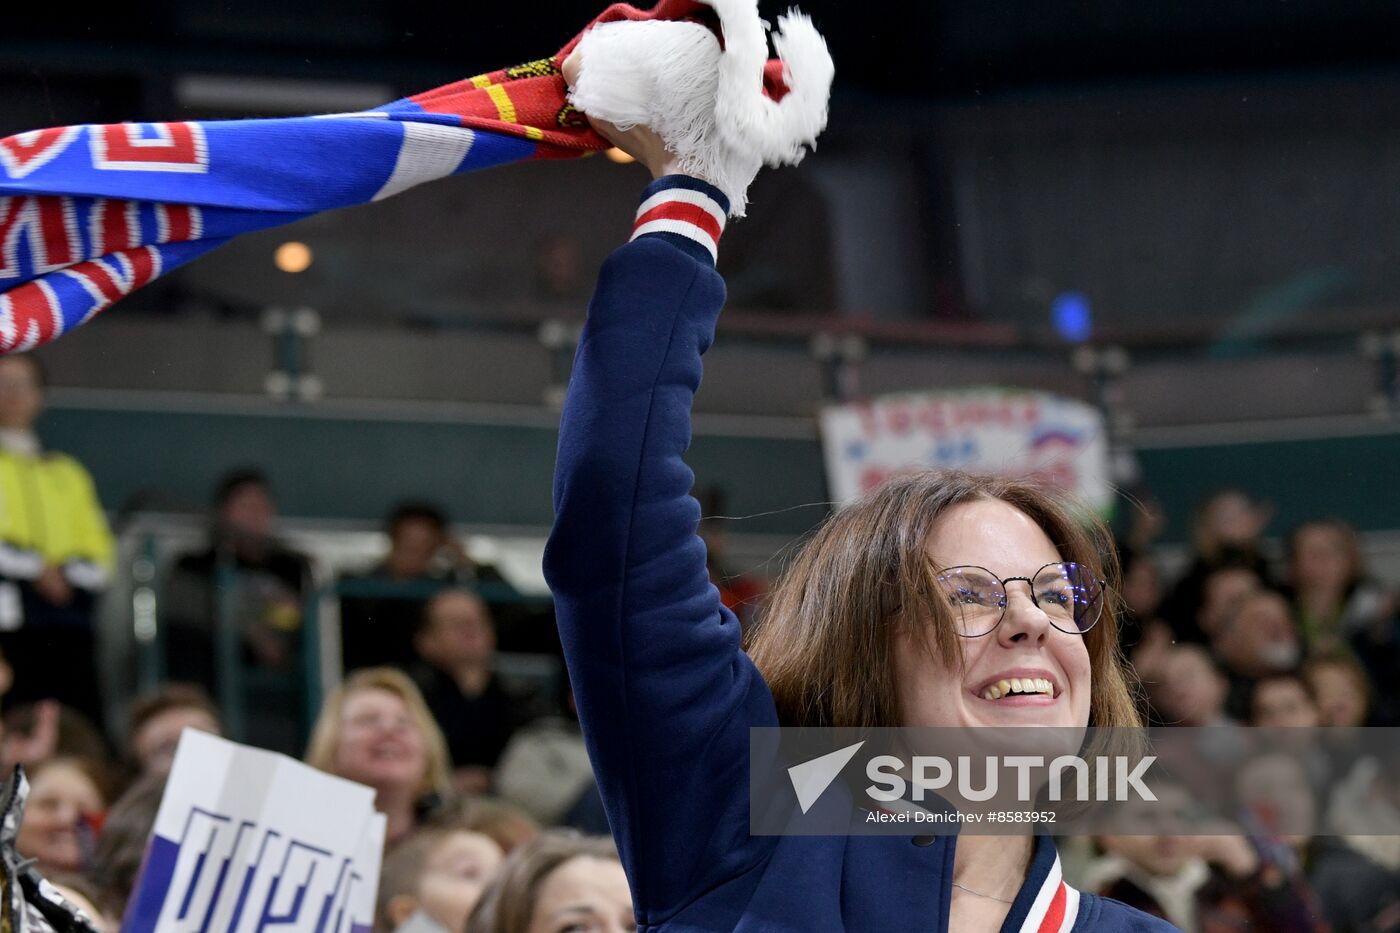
(681, 206)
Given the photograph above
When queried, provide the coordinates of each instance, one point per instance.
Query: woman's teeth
(1022, 685)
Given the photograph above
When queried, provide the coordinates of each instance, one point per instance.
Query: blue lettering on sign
(316, 883)
(954, 451)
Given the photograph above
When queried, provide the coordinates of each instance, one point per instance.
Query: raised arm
(665, 693)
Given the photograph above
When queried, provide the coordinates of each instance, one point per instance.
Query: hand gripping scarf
(90, 213)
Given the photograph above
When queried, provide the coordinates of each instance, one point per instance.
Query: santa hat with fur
(716, 101)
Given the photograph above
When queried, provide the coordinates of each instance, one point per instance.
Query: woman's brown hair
(508, 903)
(826, 637)
(325, 736)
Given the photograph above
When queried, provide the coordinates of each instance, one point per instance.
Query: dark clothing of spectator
(1354, 891)
(263, 597)
(1239, 697)
(1183, 603)
(1224, 905)
(478, 727)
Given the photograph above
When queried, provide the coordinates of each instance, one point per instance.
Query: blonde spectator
(375, 729)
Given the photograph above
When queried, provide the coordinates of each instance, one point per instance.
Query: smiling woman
(873, 576)
(878, 622)
(375, 729)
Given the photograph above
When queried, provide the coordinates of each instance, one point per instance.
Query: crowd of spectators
(1241, 641)
(493, 818)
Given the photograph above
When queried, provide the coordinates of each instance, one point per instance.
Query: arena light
(1072, 316)
(618, 156)
(293, 257)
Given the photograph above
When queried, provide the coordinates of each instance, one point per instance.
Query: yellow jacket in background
(49, 514)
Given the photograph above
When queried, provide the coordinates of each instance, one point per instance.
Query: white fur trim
(707, 105)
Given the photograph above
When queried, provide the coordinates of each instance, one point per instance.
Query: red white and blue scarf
(89, 214)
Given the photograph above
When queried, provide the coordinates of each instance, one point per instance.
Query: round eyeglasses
(1069, 595)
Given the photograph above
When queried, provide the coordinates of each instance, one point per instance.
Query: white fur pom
(707, 105)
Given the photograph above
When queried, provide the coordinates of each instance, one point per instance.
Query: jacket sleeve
(90, 565)
(664, 691)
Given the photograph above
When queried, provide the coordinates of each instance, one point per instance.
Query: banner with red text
(1057, 440)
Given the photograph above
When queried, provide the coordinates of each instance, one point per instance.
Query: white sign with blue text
(247, 839)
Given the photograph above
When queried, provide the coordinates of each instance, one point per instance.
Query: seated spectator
(1257, 638)
(438, 874)
(248, 579)
(545, 769)
(1192, 690)
(1142, 599)
(157, 721)
(1225, 534)
(457, 645)
(1201, 883)
(1342, 690)
(56, 553)
(1282, 701)
(121, 848)
(378, 629)
(1353, 893)
(39, 731)
(61, 817)
(376, 729)
(1339, 609)
(558, 882)
(507, 825)
(1332, 598)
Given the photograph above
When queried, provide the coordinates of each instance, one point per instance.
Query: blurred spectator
(247, 579)
(559, 274)
(157, 721)
(557, 882)
(505, 823)
(1225, 534)
(1342, 690)
(121, 848)
(1193, 689)
(1200, 883)
(39, 731)
(1353, 892)
(1331, 596)
(457, 645)
(62, 815)
(375, 729)
(1257, 638)
(1339, 609)
(1364, 807)
(1283, 701)
(378, 629)
(545, 768)
(1142, 597)
(1144, 637)
(56, 553)
(438, 874)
